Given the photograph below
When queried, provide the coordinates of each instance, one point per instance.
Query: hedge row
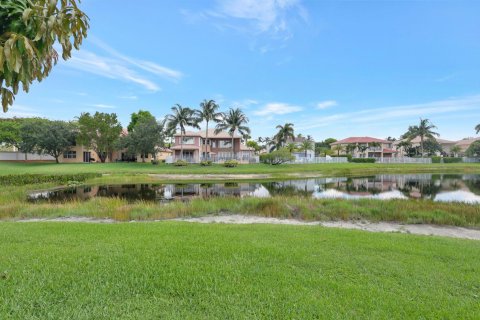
(452, 160)
(23, 179)
(362, 160)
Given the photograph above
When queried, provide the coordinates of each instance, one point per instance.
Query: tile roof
(360, 140)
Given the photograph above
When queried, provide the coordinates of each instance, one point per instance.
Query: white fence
(403, 160)
(471, 160)
(303, 160)
(20, 156)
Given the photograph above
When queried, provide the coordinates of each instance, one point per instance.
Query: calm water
(463, 188)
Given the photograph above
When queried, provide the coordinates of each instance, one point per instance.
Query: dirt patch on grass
(420, 229)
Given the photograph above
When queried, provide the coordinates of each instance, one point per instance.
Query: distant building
(217, 147)
(298, 143)
(366, 147)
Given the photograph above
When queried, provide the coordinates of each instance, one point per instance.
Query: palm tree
(477, 128)
(291, 147)
(338, 148)
(232, 121)
(423, 130)
(207, 113)
(306, 145)
(456, 150)
(180, 118)
(284, 132)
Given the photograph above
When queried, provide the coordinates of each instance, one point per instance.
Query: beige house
(78, 154)
(365, 147)
(446, 145)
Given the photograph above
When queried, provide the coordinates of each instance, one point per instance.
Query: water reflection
(464, 188)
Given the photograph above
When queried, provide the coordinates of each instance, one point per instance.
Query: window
(188, 140)
(225, 144)
(70, 154)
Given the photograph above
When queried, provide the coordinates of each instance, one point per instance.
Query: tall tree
(208, 112)
(455, 150)
(338, 148)
(473, 150)
(423, 130)
(307, 145)
(181, 118)
(477, 128)
(147, 136)
(42, 136)
(99, 132)
(234, 120)
(284, 133)
(29, 29)
(138, 116)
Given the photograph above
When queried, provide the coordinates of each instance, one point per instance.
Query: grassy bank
(186, 271)
(13, 205)
(274, 171)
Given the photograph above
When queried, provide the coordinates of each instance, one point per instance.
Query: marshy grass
(308, 209)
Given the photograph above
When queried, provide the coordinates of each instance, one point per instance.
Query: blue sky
(333, 68)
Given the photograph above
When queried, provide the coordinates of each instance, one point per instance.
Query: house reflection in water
(465, 188)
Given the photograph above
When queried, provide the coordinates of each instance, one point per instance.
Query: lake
(437, 187)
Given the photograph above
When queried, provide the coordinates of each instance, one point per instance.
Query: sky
(332, 68)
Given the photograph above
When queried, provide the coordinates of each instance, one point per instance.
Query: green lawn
(191, 271)
(144, 168)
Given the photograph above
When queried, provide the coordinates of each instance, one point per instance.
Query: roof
(359, 140)
(466, 142)
(417, 140)
(211, 134)
(297, 140)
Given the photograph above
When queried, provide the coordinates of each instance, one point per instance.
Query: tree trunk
(206, 140)
(143, 157)
(181, 144)
(56, 159)
(421, 146)
(233, 146)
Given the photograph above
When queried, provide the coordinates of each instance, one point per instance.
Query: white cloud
(20, 111)
(103, 106)
(129, 97)
(277, 108)
(121, 67)
(326, 104)
(377, 116)
(272, 18)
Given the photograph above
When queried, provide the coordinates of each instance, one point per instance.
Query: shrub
(277, 157)
(155, 162)
(23, 179)
(180, 163)
(206, 163)
(473, 150)
(362, 160)
(436, 159)
(230, 163)
(452, 160)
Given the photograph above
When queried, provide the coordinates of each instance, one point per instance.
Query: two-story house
(218, 147)
(365, 147)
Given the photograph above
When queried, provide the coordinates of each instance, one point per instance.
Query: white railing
(303, 160)
(471, 160)
(403, 160)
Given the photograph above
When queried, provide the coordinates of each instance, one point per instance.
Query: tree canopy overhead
(28, 31)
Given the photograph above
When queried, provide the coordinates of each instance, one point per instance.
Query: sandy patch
(420, 229)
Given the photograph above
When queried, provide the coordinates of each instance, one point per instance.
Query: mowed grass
(146, 168)
(174, 270)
